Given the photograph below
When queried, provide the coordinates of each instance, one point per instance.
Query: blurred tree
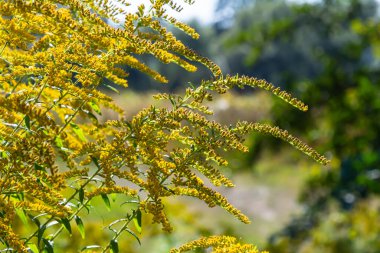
(324, 52)
(226, 10)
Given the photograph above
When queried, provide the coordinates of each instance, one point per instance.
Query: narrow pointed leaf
(81, 195)
(133, 234)
(90, 247)
(137, 220)
(21, 214)
(48, 245)
(106, 201)
(112, 88)
(66, 224)
(95, 107)
(35, 220)
(92, 117)
(50, 224)
(114, 246)
(33, 248)
(40, 233)
(95, 161)
(79, 222)
(27, 121)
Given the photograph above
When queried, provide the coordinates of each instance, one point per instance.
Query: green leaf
(91, 247)
(133, 234)
(95, 107)
(137, 220)
(66, 224)
(78, 131)
(112, 88)
(58, 141)
(33, 248)
(27, 121)
(79, 222)
(52, 223)
(115, 222)
(39, 167)
(92, 117)
(4, 154)
(41, 231)
(35, 220)
(81, 195)
(172, 101)
(95, 161)
(114, 246)
(106, 201)
(21, 214)
(48, 245)
(130, 202)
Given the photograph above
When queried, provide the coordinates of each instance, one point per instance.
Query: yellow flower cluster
(284, 135)
(225, 83)
(219, 244)
(7, 234)
(108, 190)
(54, 57)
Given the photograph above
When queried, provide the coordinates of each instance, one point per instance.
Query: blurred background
(326, 53)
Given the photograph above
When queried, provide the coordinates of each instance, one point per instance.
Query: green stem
(72, 117)
(74, 214)
(121, 230)
(5, 45)
(66, 202)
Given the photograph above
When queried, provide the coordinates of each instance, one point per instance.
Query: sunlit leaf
(33, 248)
(91, 247)
(137, 220)
(50, 224)
(21, 214)
(112, 88)
(95, 107)
(58, 142)
(78, 131)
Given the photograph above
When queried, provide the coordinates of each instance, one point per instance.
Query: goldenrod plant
(219, 244)
(56, 60)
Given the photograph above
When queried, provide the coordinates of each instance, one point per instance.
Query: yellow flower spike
(219, 244)
(284, 135)
(227, 82)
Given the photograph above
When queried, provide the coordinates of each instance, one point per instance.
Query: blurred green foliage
(326, 53)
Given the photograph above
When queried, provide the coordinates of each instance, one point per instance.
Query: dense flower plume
(54, 154)
(219, 244)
